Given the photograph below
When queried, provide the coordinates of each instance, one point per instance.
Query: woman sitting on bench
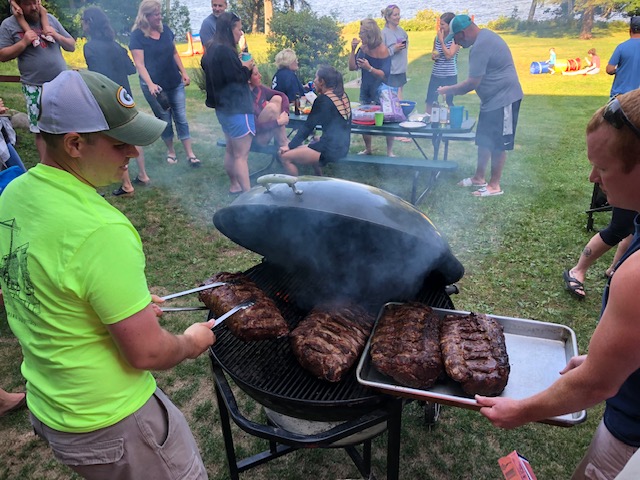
(271, 109)
(332, 111)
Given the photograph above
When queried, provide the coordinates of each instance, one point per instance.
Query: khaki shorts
(631, 470)
(155, 442)
(605, 457)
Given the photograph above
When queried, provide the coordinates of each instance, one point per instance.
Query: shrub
(268, 70)
(197, 77)
(177, 19)
(424, 20)
(316, 40)
(503, 24)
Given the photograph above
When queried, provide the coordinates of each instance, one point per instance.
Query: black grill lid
(365, 241)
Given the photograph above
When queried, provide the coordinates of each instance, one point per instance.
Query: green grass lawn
(514, 248)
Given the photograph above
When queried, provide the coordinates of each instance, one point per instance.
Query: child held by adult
(47, 30)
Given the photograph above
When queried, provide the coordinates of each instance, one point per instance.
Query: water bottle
(444, 113)
(296, 105)
(435, 114)
(163, 99)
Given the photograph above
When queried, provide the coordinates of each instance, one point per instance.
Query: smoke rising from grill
(351, 241)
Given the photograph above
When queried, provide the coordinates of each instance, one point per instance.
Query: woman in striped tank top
(445, 63)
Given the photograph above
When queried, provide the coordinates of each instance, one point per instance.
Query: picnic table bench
(270, 150)
(418, 164)
(432, 167)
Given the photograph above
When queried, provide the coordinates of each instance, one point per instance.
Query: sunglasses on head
(614, 115)
(392, 6)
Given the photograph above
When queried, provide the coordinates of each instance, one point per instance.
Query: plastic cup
(457, 115)
(246, 56)
(379, 118)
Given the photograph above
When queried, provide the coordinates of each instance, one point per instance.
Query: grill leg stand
(366, 456)
(414, 187)
(234, 474)
(394, 426)
(362, 462)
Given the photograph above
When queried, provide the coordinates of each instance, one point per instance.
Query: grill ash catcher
(323, 240)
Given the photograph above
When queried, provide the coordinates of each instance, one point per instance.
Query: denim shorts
(153, 442)
(237, 125)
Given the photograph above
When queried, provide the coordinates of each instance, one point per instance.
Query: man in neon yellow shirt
(72, 273)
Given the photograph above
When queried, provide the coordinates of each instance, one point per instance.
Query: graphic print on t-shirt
(15, 272)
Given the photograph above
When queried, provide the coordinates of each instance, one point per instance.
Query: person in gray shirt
(37, 65)
(493, 76)
(208, 27)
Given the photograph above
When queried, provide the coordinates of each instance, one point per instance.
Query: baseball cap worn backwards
(88, 102)
(459, 23)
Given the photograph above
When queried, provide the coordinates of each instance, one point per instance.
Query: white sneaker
(48, 38)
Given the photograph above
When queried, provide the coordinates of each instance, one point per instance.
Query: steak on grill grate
(406, 345)
(475, 353)
(329, 340)
(261, 321)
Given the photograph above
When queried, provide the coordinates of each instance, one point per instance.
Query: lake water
(351, 10)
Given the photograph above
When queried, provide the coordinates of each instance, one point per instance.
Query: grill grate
(269, 372)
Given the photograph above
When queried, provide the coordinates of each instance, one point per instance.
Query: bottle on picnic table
(435, 114)
(444, 113)
(296, 105)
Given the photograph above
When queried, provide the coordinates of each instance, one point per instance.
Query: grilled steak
(329, 340)
(261, 321)
(475, 353)
(406, 345)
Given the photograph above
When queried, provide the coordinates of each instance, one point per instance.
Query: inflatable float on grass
(194, 46)
(561, 66)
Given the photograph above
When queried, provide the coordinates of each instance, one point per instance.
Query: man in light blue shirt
(625, 61)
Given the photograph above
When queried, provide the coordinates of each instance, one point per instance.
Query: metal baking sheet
(537, 352)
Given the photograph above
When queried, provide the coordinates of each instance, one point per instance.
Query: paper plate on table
(411, 125)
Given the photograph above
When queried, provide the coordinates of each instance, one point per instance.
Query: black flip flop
(121, 192)
(137, 181)
(573, 285)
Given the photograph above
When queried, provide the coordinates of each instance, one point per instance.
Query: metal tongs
(187, 292)
(235, 309)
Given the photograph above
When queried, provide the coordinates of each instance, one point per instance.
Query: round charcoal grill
(269, 372)
(323, 240)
